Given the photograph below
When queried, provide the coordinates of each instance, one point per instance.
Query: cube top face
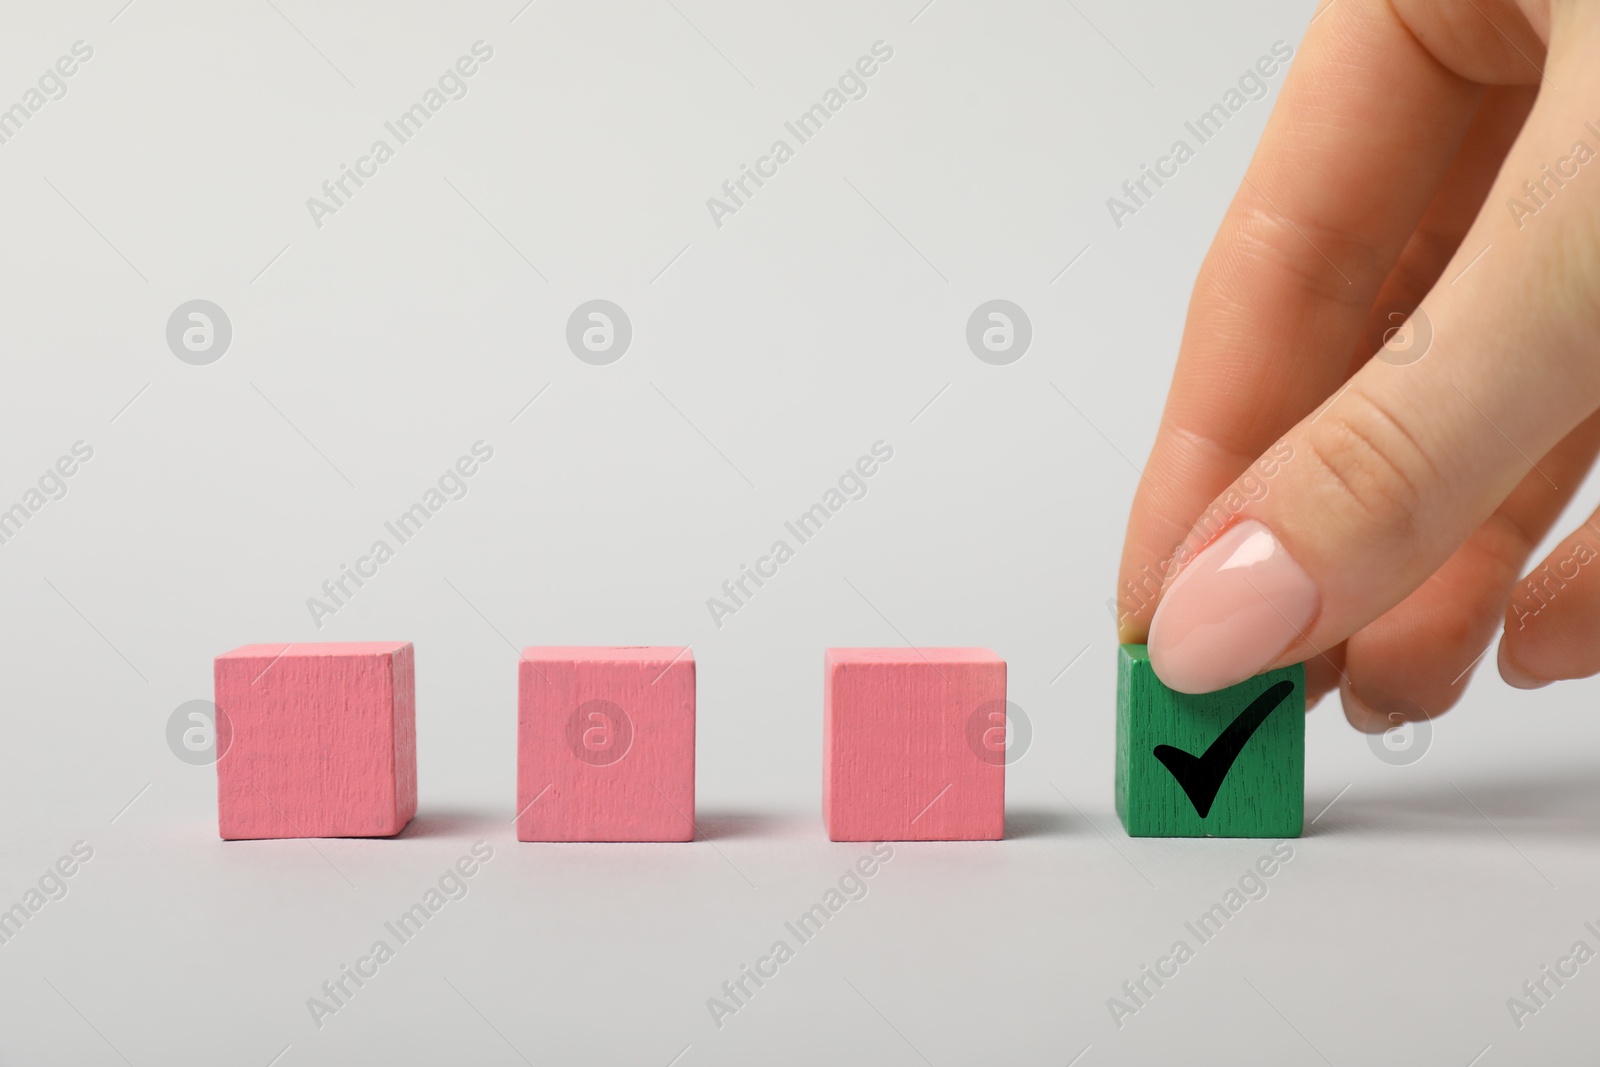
(605, 744)
(318, 740)
(1223, 764)
(908, 656)
(657, 654)
(903, 752)
(317, 648)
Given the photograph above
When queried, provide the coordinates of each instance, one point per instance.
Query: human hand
(1371, 515)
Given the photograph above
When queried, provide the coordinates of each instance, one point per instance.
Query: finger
(1323, 674)
(1395, 473)
(1551, 620)
(1282, 297)
(1413, 661)
(1552, 623)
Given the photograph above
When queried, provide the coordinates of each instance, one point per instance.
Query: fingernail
(1231, 612)
(1515, 676)
(1362, 715)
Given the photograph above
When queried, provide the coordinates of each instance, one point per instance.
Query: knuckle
(1271, 247)
(1372, 463)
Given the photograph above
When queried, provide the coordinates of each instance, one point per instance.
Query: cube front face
(317, 740)
(605, 744)
(905, 756)
(1223, 764)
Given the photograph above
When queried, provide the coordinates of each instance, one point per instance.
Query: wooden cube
(605, 744)
(1224, 764)
(317, 740)
(900, 757)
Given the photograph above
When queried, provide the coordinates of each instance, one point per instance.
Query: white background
(768, 354)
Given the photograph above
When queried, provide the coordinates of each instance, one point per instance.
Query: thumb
(1371, 494)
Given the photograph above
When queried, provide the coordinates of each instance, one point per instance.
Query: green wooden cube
(1225, 764)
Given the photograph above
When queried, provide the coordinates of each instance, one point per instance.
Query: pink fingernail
(1515, 676)
(1362, 715)
(1231, 612)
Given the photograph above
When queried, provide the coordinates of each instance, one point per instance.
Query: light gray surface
(830, 312)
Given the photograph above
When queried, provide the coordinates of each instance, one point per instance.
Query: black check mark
(1201, 776)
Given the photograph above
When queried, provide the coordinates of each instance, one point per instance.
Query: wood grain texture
(900, 761)
(318, 740)
(1263, 791)
(605, 744)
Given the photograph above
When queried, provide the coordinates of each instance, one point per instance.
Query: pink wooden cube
(605, 744)
(905, 756)
(317, 740)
